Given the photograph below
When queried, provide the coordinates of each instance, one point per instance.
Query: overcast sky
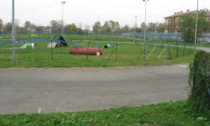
(83, 12)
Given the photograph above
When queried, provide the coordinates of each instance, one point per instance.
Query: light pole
(145, 17)
(135, 28)
(13, 31)
(196, 28)
(62, 16)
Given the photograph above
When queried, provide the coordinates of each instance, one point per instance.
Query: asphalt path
(47, 90)
(204, 48)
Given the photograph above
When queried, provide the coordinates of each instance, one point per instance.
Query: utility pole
(13, 31)
(196, 28)
(62, 16)
(145, 17)
(135, 27)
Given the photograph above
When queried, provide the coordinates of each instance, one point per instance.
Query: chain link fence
(115, 48)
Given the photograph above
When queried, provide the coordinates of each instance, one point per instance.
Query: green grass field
(164, 114)
(127, 54)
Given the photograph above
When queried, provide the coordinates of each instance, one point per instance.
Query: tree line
(114, 27)
(186, 24)
(55, 26)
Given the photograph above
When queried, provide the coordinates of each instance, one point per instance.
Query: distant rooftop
(181, 13)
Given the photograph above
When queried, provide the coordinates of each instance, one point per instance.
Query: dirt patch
(33, 35)
(84, 68)
(73, 68)
(11, 69)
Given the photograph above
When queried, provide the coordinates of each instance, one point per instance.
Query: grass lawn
(164, 114)
(127, 54)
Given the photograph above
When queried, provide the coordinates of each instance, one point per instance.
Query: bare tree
(7, 27)
(97, 27)
(56, 25)
(151, 27)
(160, 27)
(126, 28)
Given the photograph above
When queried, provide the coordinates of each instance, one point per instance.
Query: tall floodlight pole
(196, 28)
(135, 27)
(13, 31)
(145, 17)
(62, 16)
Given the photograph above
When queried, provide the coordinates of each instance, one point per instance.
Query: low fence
(205, 39)
(171, 36)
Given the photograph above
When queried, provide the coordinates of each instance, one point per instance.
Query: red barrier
(86, 51)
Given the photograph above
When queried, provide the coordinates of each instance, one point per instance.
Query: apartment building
(172, 23)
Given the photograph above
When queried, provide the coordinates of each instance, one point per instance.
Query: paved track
(75, 89)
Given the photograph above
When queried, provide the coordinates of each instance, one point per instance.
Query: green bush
(199, 99)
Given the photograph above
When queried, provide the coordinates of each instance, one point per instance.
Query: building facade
(172, 23)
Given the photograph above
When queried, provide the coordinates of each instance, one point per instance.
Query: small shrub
(199, 99)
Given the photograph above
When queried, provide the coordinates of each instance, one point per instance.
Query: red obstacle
(86, 51)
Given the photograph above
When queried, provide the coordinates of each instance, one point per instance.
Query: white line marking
(39, 110)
